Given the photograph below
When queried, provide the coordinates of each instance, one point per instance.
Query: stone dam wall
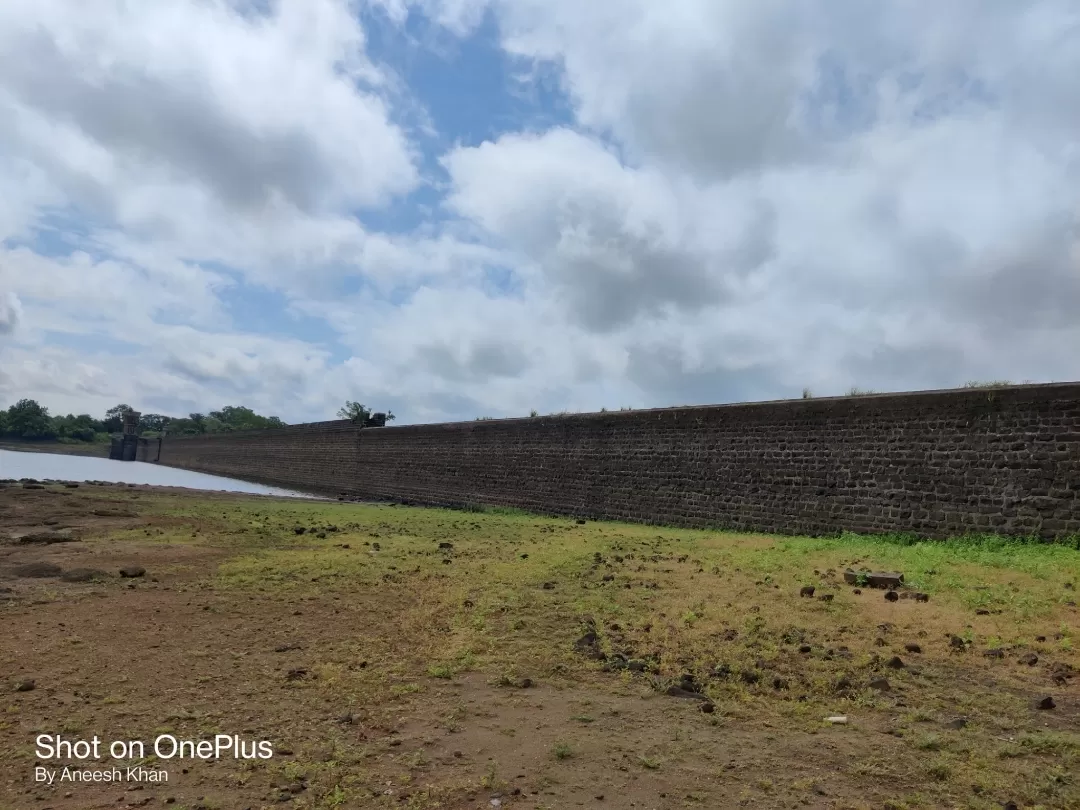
(935, 463)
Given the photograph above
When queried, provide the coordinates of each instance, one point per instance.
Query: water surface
(15, 464)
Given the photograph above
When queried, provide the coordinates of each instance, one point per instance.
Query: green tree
(114, 418)
(26, 419)
(359, 414)
(153, 422)
(354, 411)
(238, 417)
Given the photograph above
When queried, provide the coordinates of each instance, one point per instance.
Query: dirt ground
(403, 657)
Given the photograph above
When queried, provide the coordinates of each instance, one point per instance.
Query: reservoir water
(15, 464)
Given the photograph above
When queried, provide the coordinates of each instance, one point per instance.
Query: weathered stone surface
(38, 570)
(47, 537)
(937, 464)
(83, 575)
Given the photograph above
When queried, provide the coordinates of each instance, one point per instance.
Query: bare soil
(384, 676)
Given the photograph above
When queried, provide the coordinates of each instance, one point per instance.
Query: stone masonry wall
(936, 463)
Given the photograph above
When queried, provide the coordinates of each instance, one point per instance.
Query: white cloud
(750, 198)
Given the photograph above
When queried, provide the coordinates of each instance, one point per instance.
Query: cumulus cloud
(744, 199)
(828, 195)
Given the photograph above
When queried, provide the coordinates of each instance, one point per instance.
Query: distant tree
(238, 417)
(154, 422)
(354, 412)
(26, 419)
(114, 418)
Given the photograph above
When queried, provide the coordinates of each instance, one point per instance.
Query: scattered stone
(25, 685)
(132, 571)
(843, 684)
(875, 579)
(1040, 639)
(445, 546)
(881, 684)
(957, 724)
(708, 708)
(982, 612)
(994, 653)
(83, 575)
(281, 648)
(895, 663)
(589, 646)
(837, 720)
(1031, 659)
(47, 537)
(807, 591)
(957, 643)
(891, 596)
(857, 591)
(296, 674)
(299, 529)
(805, 648)
(826, 597)
(1046, 703)
(580, 521)
(680, 692)
(549, 586)
(922, 597)
(880, 642)
(913, 648)
(37, 570)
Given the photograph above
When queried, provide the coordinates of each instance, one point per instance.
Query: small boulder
(891, 596)
(807, 591)
(37, 570)
(132, 571)
(1031, 659)
(884, 579)
(48, 537)
(881, 685)
(1045, 703)
(913, 648)
(83, 575)
(25, 685)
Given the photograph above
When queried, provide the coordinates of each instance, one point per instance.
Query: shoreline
(91, 450)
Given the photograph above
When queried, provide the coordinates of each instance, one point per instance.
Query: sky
(464, 208)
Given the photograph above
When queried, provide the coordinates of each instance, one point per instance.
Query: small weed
(562, 750)
(940, 771)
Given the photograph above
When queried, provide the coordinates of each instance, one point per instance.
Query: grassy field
(408, 657)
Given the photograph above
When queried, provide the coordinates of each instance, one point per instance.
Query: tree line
(28, 419)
